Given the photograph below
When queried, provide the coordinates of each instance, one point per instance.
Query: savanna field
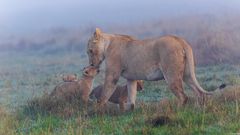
(31, 67)
(25, 108)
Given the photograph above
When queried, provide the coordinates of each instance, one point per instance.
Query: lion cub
(76, 89)
(119, 96)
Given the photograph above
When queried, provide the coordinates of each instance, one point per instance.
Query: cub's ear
(85, 72)
(97, 34)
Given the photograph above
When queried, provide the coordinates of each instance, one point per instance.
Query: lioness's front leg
(109, 87)
(132, 93)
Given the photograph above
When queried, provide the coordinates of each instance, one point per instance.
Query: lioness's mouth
(95, 66)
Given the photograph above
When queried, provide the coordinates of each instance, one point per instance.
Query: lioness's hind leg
(177, 88)
(190, 83)
(173, 75)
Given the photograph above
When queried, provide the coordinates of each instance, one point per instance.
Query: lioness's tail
(189, 73)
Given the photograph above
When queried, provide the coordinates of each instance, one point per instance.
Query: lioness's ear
(97, 33)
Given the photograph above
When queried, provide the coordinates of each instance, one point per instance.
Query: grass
(210, 119)
(25, 108)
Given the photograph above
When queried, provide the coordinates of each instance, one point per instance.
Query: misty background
(64, 26)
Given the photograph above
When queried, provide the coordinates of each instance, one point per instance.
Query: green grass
(25, 110)
(209, 119)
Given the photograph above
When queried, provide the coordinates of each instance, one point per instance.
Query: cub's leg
(121, 105)
(122, 100)
(85, 100)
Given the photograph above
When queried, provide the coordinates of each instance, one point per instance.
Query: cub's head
(70, 78)
(95, 48)
(90, 71)
(140, 85)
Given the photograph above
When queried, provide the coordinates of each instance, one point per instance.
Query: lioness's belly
(140, 73)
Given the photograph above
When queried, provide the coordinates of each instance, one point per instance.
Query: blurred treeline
(215, 39)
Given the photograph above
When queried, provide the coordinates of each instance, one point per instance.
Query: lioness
(75, 89)
(167, 57)
(70, 78)
(119, 96)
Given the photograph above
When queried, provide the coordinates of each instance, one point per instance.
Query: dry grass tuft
(6, 122)
(47, 105)
(53, 106)
(229, 94)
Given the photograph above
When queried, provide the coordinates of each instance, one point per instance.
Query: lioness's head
(90, 71)
(95, 48)
(139, 85)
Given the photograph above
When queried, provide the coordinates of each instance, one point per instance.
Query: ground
(26, 79)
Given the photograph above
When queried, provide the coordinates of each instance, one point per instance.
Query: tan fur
(76, 89)
(119, 96)
(70, 78)
(167, 57)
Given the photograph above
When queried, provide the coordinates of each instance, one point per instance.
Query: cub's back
(120, 92)
(65, 88)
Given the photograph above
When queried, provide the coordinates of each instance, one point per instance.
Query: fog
(20, 17)
(62, 26)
